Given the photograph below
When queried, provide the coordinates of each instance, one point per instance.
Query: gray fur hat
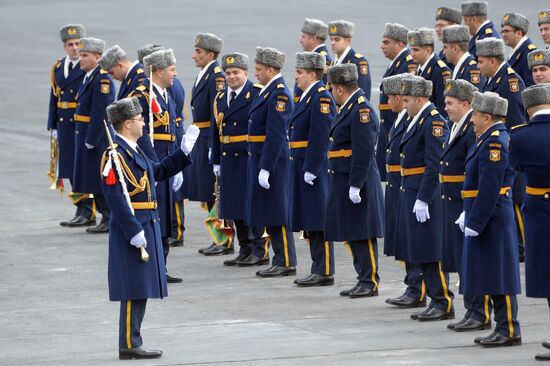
(340, 28)
(490, 47)
(72, 31)
(123, 109)
(460, 89)
(111, 57)
(515, 20)
(209, 42)
(392, 84)
(538, 57)
(456, 34)
(543, 17)
(449, 14)
(536, 95)
(473, 8)
(490, 103)
(90, 44)
(421, 37)
(310, 61)
(416, 86)
(269, 56)
(147, 50)
(396, 31)
(343, 73)
(316, 28)
(159, 60)
(235, 59)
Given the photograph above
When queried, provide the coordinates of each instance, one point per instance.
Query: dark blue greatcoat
(486, 31)
(135, 77)
(438, 73)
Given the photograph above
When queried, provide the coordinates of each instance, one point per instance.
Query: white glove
(460, 221)
(88, 146)
(139, 240)
(177, 182)
(54, 134)
(354, 195)
(188, 140)
(216, 170)
(309, 178)
(263, 179)
(421, 210)
(470, 232)
(209, 153)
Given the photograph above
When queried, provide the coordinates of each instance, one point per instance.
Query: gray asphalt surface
(54, 307)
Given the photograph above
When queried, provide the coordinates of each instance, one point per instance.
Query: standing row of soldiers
(294, 161)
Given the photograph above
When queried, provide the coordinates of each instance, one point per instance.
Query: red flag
(155, 107)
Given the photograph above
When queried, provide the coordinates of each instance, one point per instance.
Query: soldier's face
(412, 105)
(135, 126)
(421, 54)
(486, 66)
(339, 44)
(510, 36)
(72, 47)
(450, 52)
(235, 77)
(304, 78)
(541, 74)
(471, 24)
(439, 26)
(390, 48)
(481, 122)
(545, 32)
(456, 108)
(202, 57)
(117, 72)
(262, 74)
(396, 103)
(338, 93)
(88, 60)
(167, 76)
(307, 42)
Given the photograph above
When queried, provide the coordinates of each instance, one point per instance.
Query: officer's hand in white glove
(460, 221)
(139, 240)
(354, 195)
(188, 140)
(54, 134)
(309, 178)
(177, 182)
(421, 210)
(88, 146)
(216, 170)
(470, 232)
(263, 179)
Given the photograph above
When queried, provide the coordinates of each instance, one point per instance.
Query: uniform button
(224, 153)
(546, 195)
(442, 196)
(249, 154)
(388, 151)
(70, 119)
(223, 124)
(331, 139)
(71, 90)
(234, 123)
(446, 163)
(449, 198)
(441, 163)
(61, 92)
(236, 154)
(390, 185)
(328, 170)
(292, 127)
(76, 132)
(291, 158)
(61, 119)
(249, 121)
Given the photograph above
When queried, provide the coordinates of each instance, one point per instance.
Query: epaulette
(358, 55)
(434, 112)
(518, 126)
(217, 69)
(102, 72)
(321, 89)
(324, 53)
(511, 71)
(57, 63)
(409, 58)
(258, 86)
(495, 133)
(488, 31)
(328, 100)
(280, 86)
(140, 71)
(361, 99)
(531, 47)
(141, 88)
(441, 63)
(473, 62)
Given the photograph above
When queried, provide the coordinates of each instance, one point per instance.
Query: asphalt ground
(54, 307)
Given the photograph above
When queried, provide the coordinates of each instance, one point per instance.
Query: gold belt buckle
(64, 105)
(226, 139)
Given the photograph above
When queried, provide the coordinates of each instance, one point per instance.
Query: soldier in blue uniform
(314, 35)
(96, 92)
(130, 74)
(309, 140)
(430, 67)
(514, 34)
(230, 159)
(414, 295)
(209, 82)
(341, 33)
(544, 26)
(420, 220)
(66, 77)
(475, 18)
(529, 154)
(355, 212)
(504, 81)
(445, 17)
(455, 44)
(267, 192)
(539, 64)
(131, 280)
(458, 99)
(394, 47)
(490, 263)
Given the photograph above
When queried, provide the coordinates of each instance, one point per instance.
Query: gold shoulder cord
(55, 88)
